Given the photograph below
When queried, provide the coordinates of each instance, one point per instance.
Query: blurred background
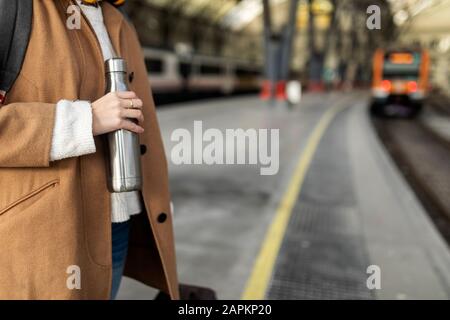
(359, 91)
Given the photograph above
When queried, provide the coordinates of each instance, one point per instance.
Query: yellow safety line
(262, 270)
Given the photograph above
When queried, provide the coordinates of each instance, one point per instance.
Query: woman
(63, 235)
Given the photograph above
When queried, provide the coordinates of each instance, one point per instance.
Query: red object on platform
(317, 86)
(281, 91)
(266, 90)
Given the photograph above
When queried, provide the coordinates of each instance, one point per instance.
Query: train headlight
(411, 86)
(386, 85)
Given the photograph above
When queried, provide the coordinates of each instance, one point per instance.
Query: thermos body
(124, 147)
(125, 167)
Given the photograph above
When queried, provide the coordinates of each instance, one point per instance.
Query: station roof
(423, 19)
(235, 14)
(405, 11)
(238, 14)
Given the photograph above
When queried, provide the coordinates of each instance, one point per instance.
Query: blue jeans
(120, 233)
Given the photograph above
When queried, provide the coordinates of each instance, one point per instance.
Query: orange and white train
(400, 82)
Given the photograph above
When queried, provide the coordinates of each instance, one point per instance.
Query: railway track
(439, 103)
(424, 159)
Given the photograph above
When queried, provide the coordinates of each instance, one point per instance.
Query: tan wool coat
(55, 215)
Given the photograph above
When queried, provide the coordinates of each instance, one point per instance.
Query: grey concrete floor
(222, 211)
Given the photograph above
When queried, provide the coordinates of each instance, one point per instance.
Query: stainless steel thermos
(124, 148)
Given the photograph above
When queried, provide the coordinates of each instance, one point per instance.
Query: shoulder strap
(15, 28)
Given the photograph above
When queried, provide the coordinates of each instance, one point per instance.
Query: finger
(131, 103)
(131, 126)
(126, 95)
(133, 114)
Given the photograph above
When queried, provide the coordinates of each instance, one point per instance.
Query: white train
(171, 74)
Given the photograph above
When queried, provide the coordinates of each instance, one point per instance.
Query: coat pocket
(30, 198)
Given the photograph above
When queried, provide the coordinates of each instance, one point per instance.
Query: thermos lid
(115, 65)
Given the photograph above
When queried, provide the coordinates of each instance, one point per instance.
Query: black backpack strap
(15, 28)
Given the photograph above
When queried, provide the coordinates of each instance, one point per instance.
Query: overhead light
(245, 12)
(444, 44)
(420, 6)
(400, 17)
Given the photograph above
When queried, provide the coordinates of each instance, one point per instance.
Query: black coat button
(162, 217)
(143, 149)
(131, 77)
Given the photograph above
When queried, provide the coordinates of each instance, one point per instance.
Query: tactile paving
(323, 254)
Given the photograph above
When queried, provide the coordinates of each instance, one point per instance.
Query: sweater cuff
(72, 134)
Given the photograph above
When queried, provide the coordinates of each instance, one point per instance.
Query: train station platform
(337, 210)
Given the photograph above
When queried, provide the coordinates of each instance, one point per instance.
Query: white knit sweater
(72, 134)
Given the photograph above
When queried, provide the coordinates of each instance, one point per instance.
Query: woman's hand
(113, 112)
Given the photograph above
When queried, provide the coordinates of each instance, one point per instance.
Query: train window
(205, 69)
(185, 69)
(246, 73)
(401, 65)
(401, 75)
(396, 72)
(154, 65)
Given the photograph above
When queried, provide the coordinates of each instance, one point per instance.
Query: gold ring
(131, 104)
